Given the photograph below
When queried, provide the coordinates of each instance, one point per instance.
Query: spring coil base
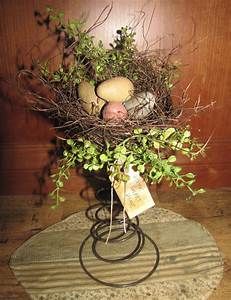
(122, 230)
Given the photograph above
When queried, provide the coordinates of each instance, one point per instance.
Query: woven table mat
(190, 267)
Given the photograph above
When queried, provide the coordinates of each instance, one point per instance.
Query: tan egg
(114, 111)
(116, 89)
(89, 100)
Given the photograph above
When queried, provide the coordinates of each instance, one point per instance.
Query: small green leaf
(172, 159)
(141, 168)
(123, 150)
(158, 175)
(87, 144)
(61, 199)
(201, 191)
(103, 157)
(167, 133)
(95, 167)
(153, 131)
(187, 134)
(65, 153)
(166, 169)
(72, 26)
(179, 146)
(190, 182)
(130, 158)
(91, 150)
(138, 130)
(59, 183)
(177, 169)
(190, 175)
(156, 145)
(70, 142)
(121, 157)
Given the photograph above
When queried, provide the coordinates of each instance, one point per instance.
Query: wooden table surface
(23, 216)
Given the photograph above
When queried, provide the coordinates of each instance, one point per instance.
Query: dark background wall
(201, 27)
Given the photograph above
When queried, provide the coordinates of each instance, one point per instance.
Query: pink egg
(114, 111)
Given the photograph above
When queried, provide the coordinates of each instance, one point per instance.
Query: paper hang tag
(134, 194)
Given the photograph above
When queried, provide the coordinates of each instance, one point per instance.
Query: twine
(124, 215)
(111, 213)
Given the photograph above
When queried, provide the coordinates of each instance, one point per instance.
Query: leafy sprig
(151, 153)
(91, 60)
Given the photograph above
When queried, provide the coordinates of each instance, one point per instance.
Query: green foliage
(91, 60)
(61, 176)
(151, 153)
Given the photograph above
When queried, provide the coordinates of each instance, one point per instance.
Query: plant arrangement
(113, 105)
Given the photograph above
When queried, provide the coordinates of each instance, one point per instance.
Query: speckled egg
(88, 98)
(116, 89)
(140, 105)
(114, 111)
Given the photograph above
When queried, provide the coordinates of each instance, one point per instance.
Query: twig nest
(114, 111)
(116, 89)
(140, 105)
(88, 98)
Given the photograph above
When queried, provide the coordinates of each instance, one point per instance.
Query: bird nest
(64, 107)
(56, 93)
